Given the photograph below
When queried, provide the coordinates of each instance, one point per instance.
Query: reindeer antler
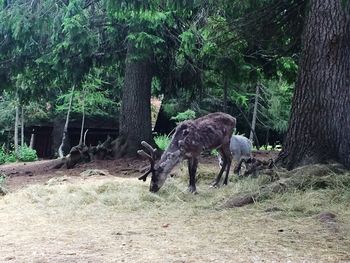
(150, 157)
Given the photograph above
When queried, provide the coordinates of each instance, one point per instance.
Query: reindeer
(191, 137)
(241, 150)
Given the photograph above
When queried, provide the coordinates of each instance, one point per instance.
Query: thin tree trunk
(82, 121)
(64, 142)
(267, 139)
(135, 118)
(319, 127)
(22, 126)
(255, 111)
(32, 141)
(16, 128)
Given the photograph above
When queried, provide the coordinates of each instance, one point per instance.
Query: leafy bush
(10, 157)
(214, 153)
(162, 141)
(2, 156)
(6, 157)
(27, 154)
(183, 116)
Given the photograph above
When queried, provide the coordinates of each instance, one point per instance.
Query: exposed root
(302, 178)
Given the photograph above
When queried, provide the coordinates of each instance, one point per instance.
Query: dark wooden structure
(48, 136)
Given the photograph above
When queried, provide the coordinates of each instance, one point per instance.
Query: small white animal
(240, 147)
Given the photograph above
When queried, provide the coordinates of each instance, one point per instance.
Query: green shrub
(6, 157)
(10, 157)
(27, 154)
(2, 156)
(183, 116)
(214, 152)
(162, 141)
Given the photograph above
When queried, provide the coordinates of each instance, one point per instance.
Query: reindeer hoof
(142, 178)
(192, 190)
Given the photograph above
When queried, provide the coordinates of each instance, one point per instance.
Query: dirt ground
(20, 175)
(113, 218)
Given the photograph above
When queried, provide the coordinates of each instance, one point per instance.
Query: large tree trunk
(319, 127)
(135, 117)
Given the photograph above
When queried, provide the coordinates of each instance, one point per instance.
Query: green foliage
(162, 141)
(26, 154)
(214, 153)
(95, 97)
(7, 109)
(7, 156)
(171, 107)
(287, 69)
(278, 104)
(183, 116)
(194, 47)
(2, 156)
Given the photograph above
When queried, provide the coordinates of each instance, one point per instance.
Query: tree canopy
(200, 55)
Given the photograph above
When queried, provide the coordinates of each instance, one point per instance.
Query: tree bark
(32, 141)
(319, 127)
(82, 121)
(22, 126)
(135, 117)
(255, 112)
(16, 128)
(63, 146)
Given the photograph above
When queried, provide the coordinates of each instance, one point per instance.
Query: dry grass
(118, 220)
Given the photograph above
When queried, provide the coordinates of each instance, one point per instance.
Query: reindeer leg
(192, 169)
(216, 182)
(238, 167)
(228, 166)
(228, 156)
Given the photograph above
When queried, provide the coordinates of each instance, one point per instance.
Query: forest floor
(69, 216)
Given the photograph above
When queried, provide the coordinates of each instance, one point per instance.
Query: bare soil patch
(20, 175)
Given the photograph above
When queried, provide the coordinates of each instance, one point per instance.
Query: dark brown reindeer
(191, 137)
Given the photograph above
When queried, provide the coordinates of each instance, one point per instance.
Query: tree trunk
(255, 112)
(63, 147)
(22, 126)
(135, 118)
(319, 127)
(82, 121)
(16, 128)
(32, 141)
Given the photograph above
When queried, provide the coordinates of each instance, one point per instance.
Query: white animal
(240, 147)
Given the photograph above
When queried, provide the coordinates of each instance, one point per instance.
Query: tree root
(319, 176)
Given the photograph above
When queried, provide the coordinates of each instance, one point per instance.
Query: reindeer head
(161, 170)
(182, 145)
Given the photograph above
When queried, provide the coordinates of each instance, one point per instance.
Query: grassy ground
(113, 219)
